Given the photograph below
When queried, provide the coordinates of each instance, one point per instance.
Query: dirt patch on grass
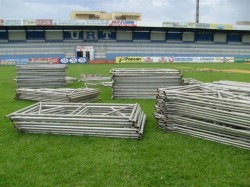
(237, 71)
(202, 70)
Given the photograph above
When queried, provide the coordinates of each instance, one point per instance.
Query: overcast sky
(154, 12)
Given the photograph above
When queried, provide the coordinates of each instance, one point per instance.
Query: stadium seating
(109, 50)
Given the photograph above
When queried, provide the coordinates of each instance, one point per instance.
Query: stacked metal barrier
(105, 120)
(142, 83)
(41, 76)
(70, 79)
(204, 112)
(238, 88)
(93, 77)
(189, 81)
(58, 95)
(232, 83)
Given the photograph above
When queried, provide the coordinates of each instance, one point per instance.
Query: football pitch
(158, 159)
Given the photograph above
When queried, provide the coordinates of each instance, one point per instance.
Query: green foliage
(159, 159)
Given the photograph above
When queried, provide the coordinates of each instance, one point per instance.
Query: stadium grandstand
(101, 40)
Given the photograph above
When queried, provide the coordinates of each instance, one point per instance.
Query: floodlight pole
(197, 11)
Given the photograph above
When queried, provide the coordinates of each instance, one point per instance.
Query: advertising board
(180, 59)
(241, 60)
(8, 62)
(44, 22)
(13, 22)
(82, 60)
(176, 59)
(241, 27)
(123, 23)
(224, 59)
(81, 22)
(202, 25)
(29, 22)
(155, 59)
(180, 25)
(44, 61)
(129, 59)
(221, 26)
(14, 61)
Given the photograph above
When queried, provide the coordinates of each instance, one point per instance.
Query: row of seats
(110, 49)
(119, 45)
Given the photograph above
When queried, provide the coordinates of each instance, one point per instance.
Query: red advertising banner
(1, 22)
(44, 22)
(44, 60)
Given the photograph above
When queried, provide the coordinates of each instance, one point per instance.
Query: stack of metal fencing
(204, 112)
(142, 83)
(92, 119)
(70, 79)
(41, 76)
(93, 77)
(58, 95)
(189, 81)
(237, 88)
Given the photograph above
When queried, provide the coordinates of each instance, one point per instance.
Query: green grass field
(159, 159)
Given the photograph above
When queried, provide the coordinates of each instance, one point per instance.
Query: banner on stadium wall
(176, 24)
(241, 60)
(158, 59)
(44, 61)
(221, 26)
(202, 25)
(155, 59)
(82, 60)
(191, 59)
(51, 22)
(241, 27)
(180, 59)
(44, 22)
(129, 59)
(29, 22)
(13, 61)
(176, 59)
(127, 23)
(8, 62)
(200, 59)
(186, 25)
(224, 59)
(180, 25)
(13, 22)
(123, 23)
(29, 61)
(81, 22)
